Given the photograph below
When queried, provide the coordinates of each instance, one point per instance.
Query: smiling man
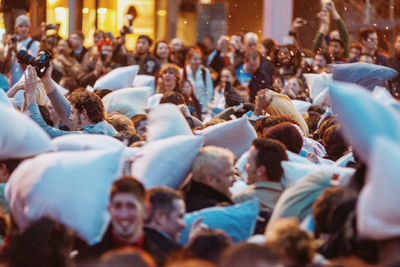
(128, 208)
(83, 113)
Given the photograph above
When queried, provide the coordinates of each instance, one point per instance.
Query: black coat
(261, 79)
(163, 243)
(93, 253)
(199, 196)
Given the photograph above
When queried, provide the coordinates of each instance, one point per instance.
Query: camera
(41, 62)
(50, 26)
(125, 30)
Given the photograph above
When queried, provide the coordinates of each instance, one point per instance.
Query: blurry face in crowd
(75, 41)
(284, 55)
(162, 50)
(187, 88)
(173, 222)
(176, 45)
(277, 84)
(251, 168)
(397, 44)
(320, 61)
(252, 64)
(250, 42)
(335, 49)
(142, 47)
(354, 52)
(141, 129)
(372, 42)
(226, 76)
(169, 79)
(63, 47)
(107, 51)
(76, 118)
(195, 60)
(293, 84)
(98, 37)
(208, 43)
(23, 31)
(223, 179)
(367, 59)
(127, 216)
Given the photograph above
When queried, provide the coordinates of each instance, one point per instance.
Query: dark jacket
(199, 196)
(261, 79)
(93, 253)
(163, 243)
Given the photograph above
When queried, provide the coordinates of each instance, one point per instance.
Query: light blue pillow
(238, 221)
(363, 117)
(364, 74)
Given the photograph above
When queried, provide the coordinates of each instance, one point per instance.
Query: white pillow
(363, 118)
(293, 157)
(145, 80)
(79, 142)
(4, 99)
(166, 162)
(297, 200)
(117, 78)
(166, 120)
(364, 74)
(382, 95)
(235, 135)
(127, 101)
(322, 99)
(342, 161)
(317, 83)
(154, 100)
(71, 187)
(20, 136)
(377, 209)
(301, 106)
(238, 221)
(294, 172)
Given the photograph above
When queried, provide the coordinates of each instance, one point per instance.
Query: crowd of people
(317, 219)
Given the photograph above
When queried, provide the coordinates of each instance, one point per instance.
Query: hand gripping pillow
(317, 83)
(117, 78)
(364, 74)
(71, 187)
(145, 80)
(166, 120)
(235, 135)
(294, 172)
(363, 118)
(377, 208)
(127, 101)
(238, 221)
(78, 142)
(166, 162)
(20, 136)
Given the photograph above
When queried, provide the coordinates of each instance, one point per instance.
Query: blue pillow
(363, 117)
(238, 221)
(364, 74)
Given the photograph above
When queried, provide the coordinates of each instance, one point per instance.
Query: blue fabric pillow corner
(238, 221)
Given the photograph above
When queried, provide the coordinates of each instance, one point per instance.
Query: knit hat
(21, 20)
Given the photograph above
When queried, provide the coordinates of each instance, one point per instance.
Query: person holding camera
(99, 66)
(20, 41)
